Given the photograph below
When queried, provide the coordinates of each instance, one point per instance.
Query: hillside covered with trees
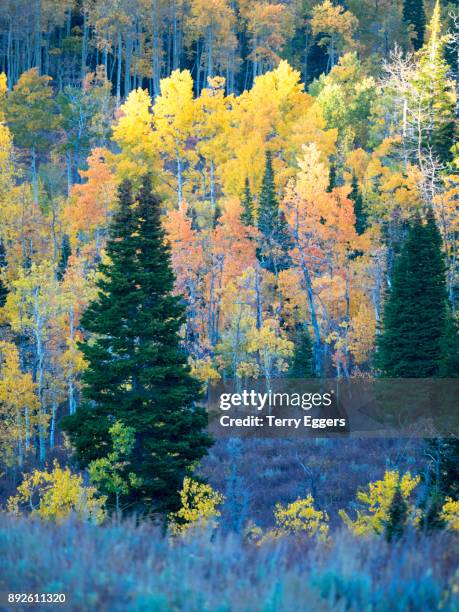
(194, 192)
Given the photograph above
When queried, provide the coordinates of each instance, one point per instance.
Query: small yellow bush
(450, 514)
(55, 495)
(199, 508)
(301, 517)
(377, 500)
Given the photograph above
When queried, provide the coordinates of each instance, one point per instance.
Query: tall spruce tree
(361, 217)
(3, 288)
(415, 311)
(302, 365)
(273, 253)
(414, 16)
(137, 371)
(66, 251)
(436, 91)
(247, 216)
(333, 178)
(398, 515)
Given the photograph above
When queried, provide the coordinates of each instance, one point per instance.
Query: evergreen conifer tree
(3, 289)
(414, 15)
(361, 218)
(137, 371)
(415, 311)
(216, 216)
(398, 514)
(275, 243)
(332, 178)
(66, 251)
(442, 478)
(436, 91)
(302, 365)
(247, 216)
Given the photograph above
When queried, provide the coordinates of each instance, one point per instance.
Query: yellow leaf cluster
(55, 495)
(300, 516)
(450, 513)
(376, 500)
(199, 508)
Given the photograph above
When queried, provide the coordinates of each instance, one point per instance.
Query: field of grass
(122, 567)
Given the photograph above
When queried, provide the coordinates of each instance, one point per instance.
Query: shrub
(301, 517)
(450, 514)
(377, 500)
(199, 508)
(55, 495)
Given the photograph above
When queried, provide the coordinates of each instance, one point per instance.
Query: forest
(196, 193)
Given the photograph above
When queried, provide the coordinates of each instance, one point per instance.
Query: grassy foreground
(124, 567)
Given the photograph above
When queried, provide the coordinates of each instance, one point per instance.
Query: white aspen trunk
(71, 382)
(258, 299)
(179, 178)
(175, 38)
(210, 52)
(27, 429)
(127, 65)
(84, 46)
(212, 185)
(38, 331)
(156, 51)
(34, 175)
(37, 48)
(53, 421)
(118, 70)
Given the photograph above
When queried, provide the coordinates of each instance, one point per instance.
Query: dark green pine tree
(333, 178)
(3, 289)
(302, 365)
(442, 478)
(66, 251)
(247, 216)
(398, 515)
(361, 217)
(216, 216)
(415, 311)
(193, 216)
(273, 253)
(414, 16)
(137, 371)
(449, 363)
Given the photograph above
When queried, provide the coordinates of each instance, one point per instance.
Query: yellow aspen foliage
(337, 23)
(269, 24)
(19, 406)
(376, 501)
(199, 508)
(204, 370)
(7, 169)
(3, 84)
(450, 514)
(174, 115)
(56, 495)
(362, 333)
(3, 91)
(133, 134)
(271, 347)
(300, 517)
